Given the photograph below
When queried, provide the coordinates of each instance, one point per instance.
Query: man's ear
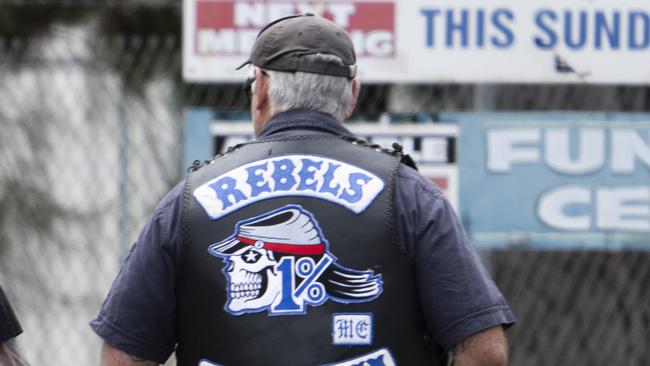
(261, 89)
(356, 89)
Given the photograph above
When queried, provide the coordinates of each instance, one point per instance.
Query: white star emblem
(251, 256)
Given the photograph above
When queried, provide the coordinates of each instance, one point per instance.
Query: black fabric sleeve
(9, 327)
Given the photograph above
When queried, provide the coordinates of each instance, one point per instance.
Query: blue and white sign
(556, 180)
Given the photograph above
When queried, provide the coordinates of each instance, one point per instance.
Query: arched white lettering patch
(290, 175)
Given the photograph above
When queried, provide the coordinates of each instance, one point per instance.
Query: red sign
(229, 27)
(442, 182)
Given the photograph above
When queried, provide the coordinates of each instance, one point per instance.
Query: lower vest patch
(381, 357)
(280, 262)
(208, 363)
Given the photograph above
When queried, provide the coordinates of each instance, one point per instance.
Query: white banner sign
(550, 41)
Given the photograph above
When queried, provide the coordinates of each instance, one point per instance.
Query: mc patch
(280, 262)
(349, 329)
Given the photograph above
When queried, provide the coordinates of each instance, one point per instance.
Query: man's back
(303, 230)
(306, 246)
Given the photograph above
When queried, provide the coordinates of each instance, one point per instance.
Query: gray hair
(302, 90)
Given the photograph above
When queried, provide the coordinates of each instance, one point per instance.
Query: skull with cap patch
(253, 253)
(280, 261)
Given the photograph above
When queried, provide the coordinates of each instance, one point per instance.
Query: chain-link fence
(577, 308)
(89, 143)
(90, 116)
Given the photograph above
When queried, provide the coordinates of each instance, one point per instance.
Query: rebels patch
(292, 175)
(280, 262)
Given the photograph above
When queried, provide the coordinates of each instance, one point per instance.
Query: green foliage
(146, 32)
(26, 206)
(137, 42)
(141, 21)
(133, 32)
(29, 20)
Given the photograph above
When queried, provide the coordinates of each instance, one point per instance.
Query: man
(9, 330)
(306, 246)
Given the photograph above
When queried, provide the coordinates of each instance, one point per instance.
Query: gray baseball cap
(281, 45)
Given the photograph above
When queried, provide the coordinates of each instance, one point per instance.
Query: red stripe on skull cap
(300, 249)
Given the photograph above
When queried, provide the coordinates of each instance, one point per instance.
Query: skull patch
(253, 279)
(280, 262)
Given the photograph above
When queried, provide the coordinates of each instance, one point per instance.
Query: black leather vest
(290, 257)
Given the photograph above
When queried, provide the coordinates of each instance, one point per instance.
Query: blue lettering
(429, 14)
(480, 28)
(309, 167)
(345, 328)
(226, 188)
(460, 27)
(612, 33)
(568, 30)
(508, 36)
(362, 328)
(357, 181)
(551, 35)
(636, 44)
(328, 178)
(282, 176)
(254, 179)
(287, 302)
